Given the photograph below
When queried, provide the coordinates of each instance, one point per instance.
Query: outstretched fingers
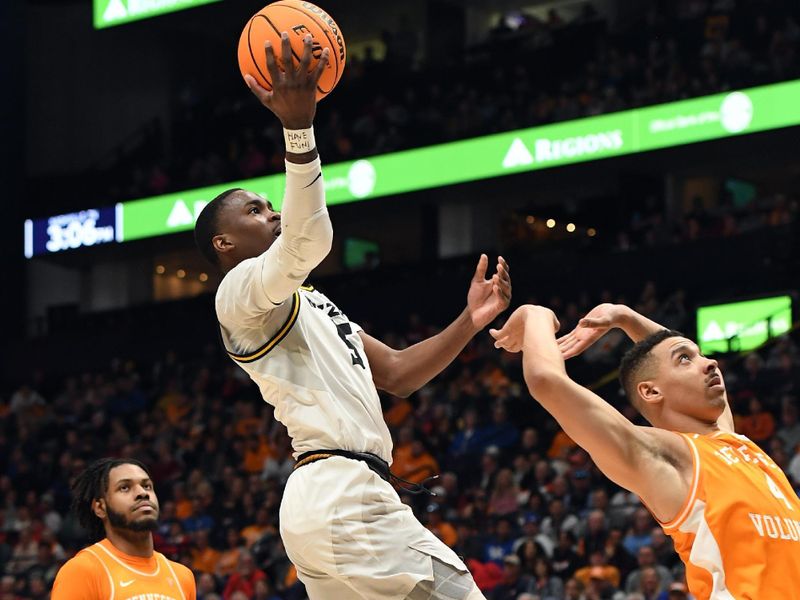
(322, 63)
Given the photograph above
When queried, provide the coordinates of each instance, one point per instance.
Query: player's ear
(222, 243)
(99, 508)
(649, 392)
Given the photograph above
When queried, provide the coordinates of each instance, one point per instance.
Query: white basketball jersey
(309, 363)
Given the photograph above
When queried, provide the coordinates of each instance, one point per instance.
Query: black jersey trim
(275, 339)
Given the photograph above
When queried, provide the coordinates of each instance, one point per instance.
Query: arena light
(739, 326)
(108, 13)
(560, 144)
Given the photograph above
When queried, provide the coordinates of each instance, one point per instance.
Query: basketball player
(730, 510)
(114, 500)
(342, 523)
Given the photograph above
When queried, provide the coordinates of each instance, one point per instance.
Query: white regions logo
(736, 112)
(714, 332)
(361, 178)
(114, 11)
(549, 149)
(181, 216)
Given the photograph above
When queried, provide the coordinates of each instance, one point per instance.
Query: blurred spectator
(647, 560)
(758, 424)
(513, 583)
(244, 580)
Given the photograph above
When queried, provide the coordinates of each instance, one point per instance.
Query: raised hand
(293, 96)
(487, 298)
(512, 335)
(590, 328)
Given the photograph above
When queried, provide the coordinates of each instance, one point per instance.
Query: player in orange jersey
(731, 511)
(114, 500)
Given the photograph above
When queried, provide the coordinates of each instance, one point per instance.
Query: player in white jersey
(342, 523)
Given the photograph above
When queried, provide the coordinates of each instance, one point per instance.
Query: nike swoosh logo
(126, 583)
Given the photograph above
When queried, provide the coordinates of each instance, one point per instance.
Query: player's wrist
(299, 140)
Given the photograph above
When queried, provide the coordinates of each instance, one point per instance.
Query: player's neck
(688, 424)
(132, 543)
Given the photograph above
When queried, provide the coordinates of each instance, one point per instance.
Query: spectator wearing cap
(647, 560)
(531, 534)
(435, 522)
(514, 582)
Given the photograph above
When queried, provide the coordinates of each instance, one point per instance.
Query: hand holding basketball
(292, 21)
(293, 95)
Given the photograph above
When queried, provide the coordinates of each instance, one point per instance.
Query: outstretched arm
(653, 463)
(306, 233)
(402, 372)
(637, 327)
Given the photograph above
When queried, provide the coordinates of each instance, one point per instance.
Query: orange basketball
(298, 19)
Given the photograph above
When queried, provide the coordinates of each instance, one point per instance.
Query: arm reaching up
(637, 327)
(402, 372)
(653, 463)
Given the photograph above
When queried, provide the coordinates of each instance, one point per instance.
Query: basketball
(298, 19)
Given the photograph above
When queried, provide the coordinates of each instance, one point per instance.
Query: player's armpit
(665, 471)
(652, 463)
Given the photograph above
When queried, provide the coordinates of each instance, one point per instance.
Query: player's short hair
(91, 484)
(637, 359)
(207, 226)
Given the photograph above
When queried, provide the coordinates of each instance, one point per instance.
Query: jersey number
(344, 329)
(776, 491)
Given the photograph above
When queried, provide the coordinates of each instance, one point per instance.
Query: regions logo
(736, 112)
(361, 178)
(563, 149)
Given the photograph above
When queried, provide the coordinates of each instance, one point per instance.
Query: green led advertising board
(560, 144)
(739, 326)
(108, 13)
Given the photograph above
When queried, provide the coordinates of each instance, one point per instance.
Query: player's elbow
(543, 381)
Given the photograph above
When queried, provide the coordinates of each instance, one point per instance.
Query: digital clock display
(70, 231)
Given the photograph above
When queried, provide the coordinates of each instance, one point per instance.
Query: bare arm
(636, 326)
(402, 372)
(652, 463)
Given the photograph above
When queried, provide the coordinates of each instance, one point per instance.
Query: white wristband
(299, 141)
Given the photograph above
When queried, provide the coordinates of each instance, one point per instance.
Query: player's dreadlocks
(92, 484)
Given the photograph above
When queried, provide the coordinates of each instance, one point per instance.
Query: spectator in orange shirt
(440, 528)
(248, 423)
(229, 558)
(561, 446)
(399, 412)
(411, 460)
(253, 533)
(598, 568)
(204, 557)
(758, 425)
(256, 452)
(183, 505)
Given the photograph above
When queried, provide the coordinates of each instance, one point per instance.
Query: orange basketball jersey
(739, 531)
(101, 572)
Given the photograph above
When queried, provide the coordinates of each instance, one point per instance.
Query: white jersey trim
(118, 561)
(105, 568)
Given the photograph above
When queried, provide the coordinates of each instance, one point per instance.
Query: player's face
(131, 501)
(690, 383)
(250, 223)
